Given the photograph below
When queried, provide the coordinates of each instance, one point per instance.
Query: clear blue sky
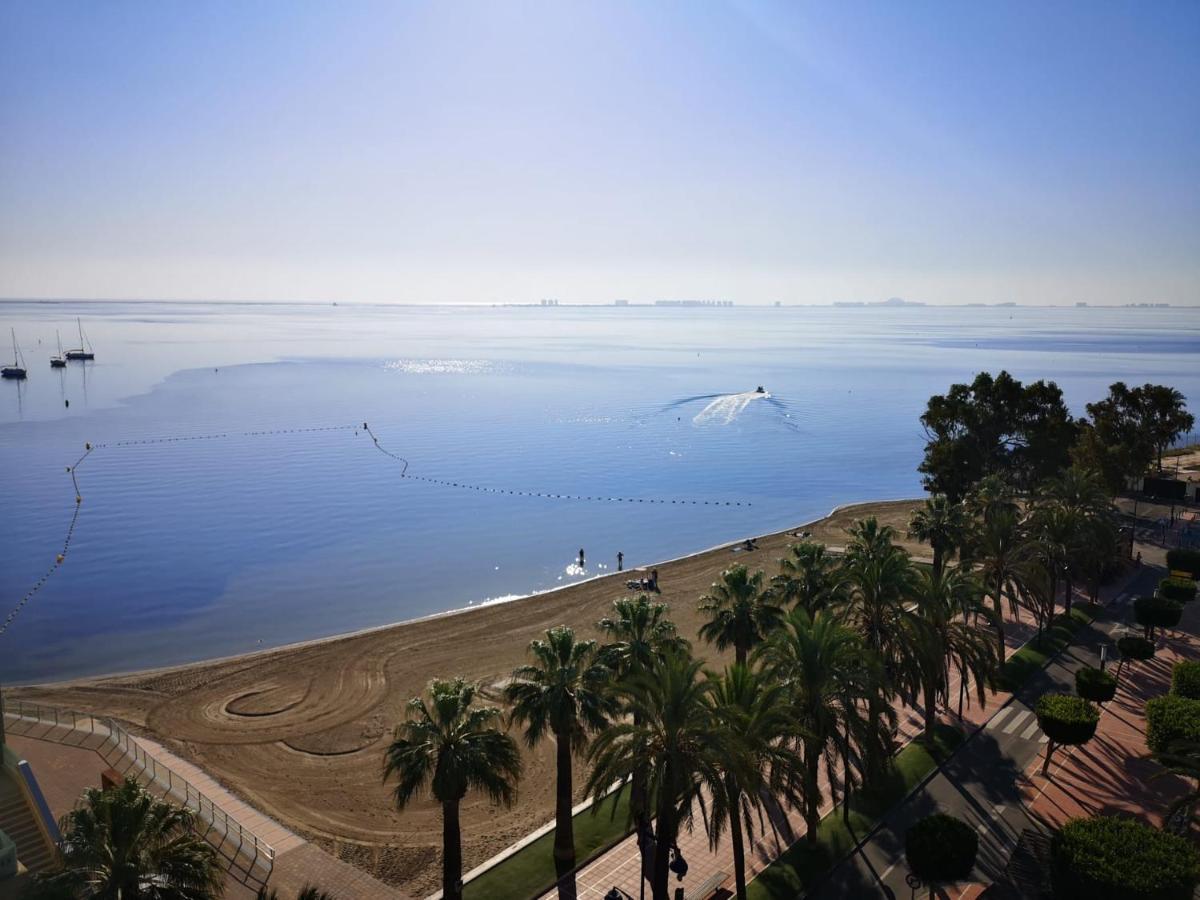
(447, 152)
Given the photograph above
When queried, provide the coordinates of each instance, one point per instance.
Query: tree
(1073, 517)
(671, 736)
(750, 711)
(307, 892)
(1164, 416)
(941, 849)
(837, 702)
(942, 525)
(1002, 552)
(1181, 757)
(640, 636)
(1067, 721)
(1115, 442)
(452, 746)
(810, 577)
(741, 612)
(564, 694)
(1095, 685)
(124, 843)
(1157, 612)
(1107, 856)
(995, 426)
(879, 576)
(939, 630)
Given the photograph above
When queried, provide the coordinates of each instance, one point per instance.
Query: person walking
(581, 557)
(620, 561)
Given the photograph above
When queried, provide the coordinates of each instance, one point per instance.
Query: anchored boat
(85, 346)
(17, 369)
(58, 362)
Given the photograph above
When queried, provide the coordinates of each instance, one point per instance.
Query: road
(979, 784)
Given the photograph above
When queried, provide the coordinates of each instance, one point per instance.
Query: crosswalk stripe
(1043, 740)
(1000, 717)
(1029, 732)
(1015, 722)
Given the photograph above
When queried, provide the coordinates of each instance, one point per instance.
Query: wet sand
(300, 731)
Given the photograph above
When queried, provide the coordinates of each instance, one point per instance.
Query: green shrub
(1106, 858)
(1170, 718)
(1185, 679)
(1067, 719)
(1134, 647)
(941, 849)
(1092, 684)
(1183, 560)
(1157, 612)
(1181, 589)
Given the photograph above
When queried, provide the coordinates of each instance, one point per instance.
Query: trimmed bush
(1108, 857)
(1134, 647)
(1183, 560)
(1171, 718)
(1181, 589)
(1092, 684)
(1185, 679)
(1157, 612)
(941, 849)
(1067, 719)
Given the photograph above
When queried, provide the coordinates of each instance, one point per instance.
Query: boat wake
(725, 408)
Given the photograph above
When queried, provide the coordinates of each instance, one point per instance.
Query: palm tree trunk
(1046, 762)
(930, 712)
(740, 653)
(1070, 592)
(664, 840)
(564, 826)
(812, 769)
(451, 852)
(735, 836)
(998, 605)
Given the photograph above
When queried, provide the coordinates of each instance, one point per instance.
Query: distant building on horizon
(693, 303)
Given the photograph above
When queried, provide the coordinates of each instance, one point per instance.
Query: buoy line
(89, 448)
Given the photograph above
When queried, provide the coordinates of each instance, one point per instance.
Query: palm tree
(307, 892)
(880, 576)
(640, 635)
(124, 843)
(940, 630)
(1054, 532)
(670, 735)
(942, 524)
(750, 711)
(1002, 554)
(741, 613)
(453, 746)
(1181, 757)
(836, 698)
(563, 694)
(809, 576)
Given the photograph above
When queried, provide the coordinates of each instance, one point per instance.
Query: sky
(487, 152)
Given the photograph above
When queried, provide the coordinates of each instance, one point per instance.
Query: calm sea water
(191, 549)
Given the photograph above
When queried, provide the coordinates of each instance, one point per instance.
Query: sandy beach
(300, 731)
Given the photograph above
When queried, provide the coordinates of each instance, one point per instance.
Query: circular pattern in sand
(268, 701)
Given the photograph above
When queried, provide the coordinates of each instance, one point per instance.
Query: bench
(705, 889)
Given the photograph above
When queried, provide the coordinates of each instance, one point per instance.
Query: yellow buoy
(59, 559)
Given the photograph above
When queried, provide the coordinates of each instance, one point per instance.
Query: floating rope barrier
(89, 448)
(545, 495)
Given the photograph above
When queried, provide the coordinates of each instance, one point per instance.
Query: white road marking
(1030, 731)
(1000, 717)
(1016, 721)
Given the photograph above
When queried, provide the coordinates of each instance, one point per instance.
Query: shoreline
(267, 652)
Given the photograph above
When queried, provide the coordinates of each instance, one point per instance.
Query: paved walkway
(620, 866)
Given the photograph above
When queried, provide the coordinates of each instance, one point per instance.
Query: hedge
(1134, 647)
(1067, 719)
(1157, 612)
(941, 849)
(1092, 684)
(1181, 589)
(1109, 857)
(1185, 679)
(1184, 560)
(1170, 718)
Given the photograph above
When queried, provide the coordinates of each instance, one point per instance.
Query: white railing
(173, 785)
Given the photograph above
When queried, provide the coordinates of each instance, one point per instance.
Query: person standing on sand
(581, 557)
(620, 561)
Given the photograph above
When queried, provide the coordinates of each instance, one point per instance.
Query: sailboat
(81, 353)
(58, 362)
(17, 369)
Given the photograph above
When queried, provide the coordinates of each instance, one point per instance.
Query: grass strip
(530, 871)
(1021, 665)
(802, 864)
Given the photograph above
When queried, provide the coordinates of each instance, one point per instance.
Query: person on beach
(620, 561)
(581, 557)
(654, 580)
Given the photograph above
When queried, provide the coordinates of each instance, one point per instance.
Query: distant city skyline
(589, 152)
